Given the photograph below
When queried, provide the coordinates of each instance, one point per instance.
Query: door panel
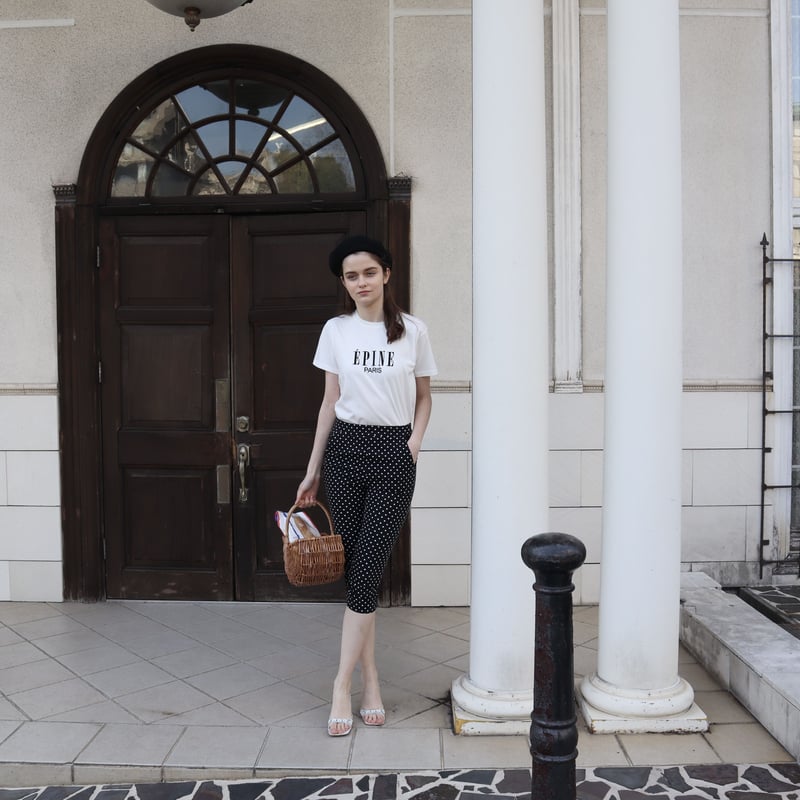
(166, 520)
(149, 355)
(165, 348)
(206, 320)
(283, 293)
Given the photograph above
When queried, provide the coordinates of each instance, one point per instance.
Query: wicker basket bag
(313, 560)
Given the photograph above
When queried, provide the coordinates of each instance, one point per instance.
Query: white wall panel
(591, 478)
(587, 583)
(450, 427)
(5, 582)
(439, 585)
(3, 480)
(40, 581)
(30, 534)
(716, 419)
(33, 478)
(565, 478)
(713, 534)
(754, 532)
(442, 480)
(576, 421)
(585, 523)
(440, 536)
(28, 422)
(726, 477)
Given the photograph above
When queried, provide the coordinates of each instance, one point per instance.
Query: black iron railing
(792, 562)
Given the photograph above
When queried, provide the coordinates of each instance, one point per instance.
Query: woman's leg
(369, 499)
(357, 632)
(371, 696)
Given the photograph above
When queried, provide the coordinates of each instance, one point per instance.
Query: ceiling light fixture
(193, 11)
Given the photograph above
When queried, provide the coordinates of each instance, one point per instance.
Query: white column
(637, 686)
(510, 361)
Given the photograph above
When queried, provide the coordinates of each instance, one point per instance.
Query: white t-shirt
(376, 379)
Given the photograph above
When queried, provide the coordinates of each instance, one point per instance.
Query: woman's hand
(422, 413)
(307, 491)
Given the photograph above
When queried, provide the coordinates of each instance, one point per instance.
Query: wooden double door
(207, 328)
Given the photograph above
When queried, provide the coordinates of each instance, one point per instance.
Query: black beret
(357, 244)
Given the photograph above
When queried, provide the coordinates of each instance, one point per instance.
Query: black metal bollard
(553, 557)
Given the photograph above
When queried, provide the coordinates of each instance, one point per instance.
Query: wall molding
(597, 387)
(451, 387)
(431, 12)
(752, 13)
(7, 389)
(36, 23)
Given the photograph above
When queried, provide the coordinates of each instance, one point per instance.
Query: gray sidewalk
(168, 691)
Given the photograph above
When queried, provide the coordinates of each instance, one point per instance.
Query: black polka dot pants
(369, 476)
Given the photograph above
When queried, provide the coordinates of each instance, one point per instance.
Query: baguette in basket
(310, 560)
(300, 527)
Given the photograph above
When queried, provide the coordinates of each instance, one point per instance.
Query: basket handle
(316, 503)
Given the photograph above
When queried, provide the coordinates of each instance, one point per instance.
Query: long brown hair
(392, 313)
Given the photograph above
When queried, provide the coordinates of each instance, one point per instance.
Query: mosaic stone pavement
(714, 782)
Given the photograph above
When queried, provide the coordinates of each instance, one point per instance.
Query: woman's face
(364, 278)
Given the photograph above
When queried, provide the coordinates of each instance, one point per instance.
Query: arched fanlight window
(232, 136)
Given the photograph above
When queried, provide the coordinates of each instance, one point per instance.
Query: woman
(378, 365)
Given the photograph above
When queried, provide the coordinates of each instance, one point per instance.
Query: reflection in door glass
(258, 99)
(169, 182)
(278, 151)
(334, 171)
(295, 180)
(208, 184)
(248, 137)
(231, 171)
(298, 113)
(208, 100)
(216, 137)
(258, 133)
(255, 183)
(159, 127)
(131, 174)
(311, 132)
(187, 154)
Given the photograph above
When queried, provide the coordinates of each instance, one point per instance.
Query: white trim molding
(28, 388)
(36, 23)
(567, 344)
(782, 314)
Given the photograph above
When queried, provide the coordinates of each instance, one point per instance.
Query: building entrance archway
(192, 281)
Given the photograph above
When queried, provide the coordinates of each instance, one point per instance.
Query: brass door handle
(243, 461)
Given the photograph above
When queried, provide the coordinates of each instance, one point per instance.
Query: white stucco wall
(726, 185)
(407, 64)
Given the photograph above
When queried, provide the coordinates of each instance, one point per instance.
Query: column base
(670, 710)
(479, 712)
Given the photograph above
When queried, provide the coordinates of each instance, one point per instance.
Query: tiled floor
(152, 691)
